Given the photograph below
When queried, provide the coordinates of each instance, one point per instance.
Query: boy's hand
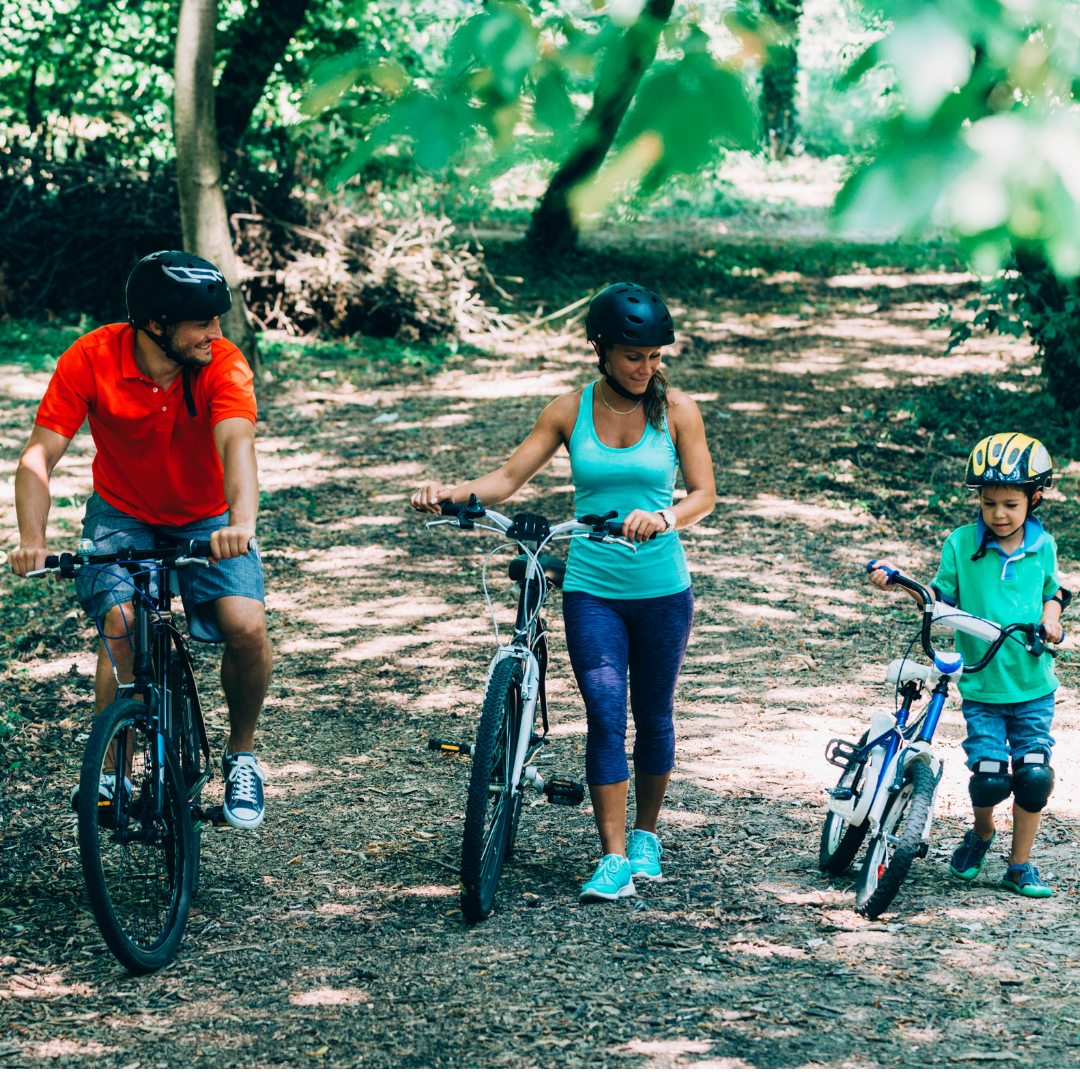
(880, 579)
(1055, 635)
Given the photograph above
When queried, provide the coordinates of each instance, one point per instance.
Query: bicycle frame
(524, 641)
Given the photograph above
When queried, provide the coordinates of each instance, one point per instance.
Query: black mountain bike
(505, 741)
(145, 765)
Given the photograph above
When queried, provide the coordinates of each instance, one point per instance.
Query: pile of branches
(344, 271)
(71, 231)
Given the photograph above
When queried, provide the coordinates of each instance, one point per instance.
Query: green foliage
(987, 135)
(508, 86)
(37, 345)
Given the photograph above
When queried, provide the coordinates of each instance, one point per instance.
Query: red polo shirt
(153, 460)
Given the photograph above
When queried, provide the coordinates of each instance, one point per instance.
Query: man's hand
(230, 542)
(28, 557)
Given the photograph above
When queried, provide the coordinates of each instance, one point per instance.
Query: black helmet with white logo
(176, 286)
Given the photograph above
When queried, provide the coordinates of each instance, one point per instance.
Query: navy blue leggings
(607, 639)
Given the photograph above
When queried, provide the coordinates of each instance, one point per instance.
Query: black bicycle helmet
(176, 286)
(628, 314)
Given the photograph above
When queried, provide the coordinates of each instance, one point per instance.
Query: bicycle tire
(487, 820)
(840, 841)
(188, 749)
(139, 890)
(881, 876)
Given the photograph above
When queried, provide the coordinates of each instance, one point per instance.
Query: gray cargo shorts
(100, 589)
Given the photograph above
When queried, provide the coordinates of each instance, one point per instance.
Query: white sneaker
(105, 790)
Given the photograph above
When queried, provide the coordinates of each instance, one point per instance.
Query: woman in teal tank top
(627, 614)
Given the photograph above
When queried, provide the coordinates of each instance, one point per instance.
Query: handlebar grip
(451, 509)
(200, 549)
(890, 573)
(52, 562)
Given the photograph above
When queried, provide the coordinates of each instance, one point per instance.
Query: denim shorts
(200, 586)
(997, 731)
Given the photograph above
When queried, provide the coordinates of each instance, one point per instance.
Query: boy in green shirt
(1004, 568)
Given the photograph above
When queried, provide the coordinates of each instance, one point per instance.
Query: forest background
(865, 218)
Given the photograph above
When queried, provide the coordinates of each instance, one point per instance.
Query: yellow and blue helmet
(1009, 458)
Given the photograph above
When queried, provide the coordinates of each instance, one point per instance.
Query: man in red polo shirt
(172, 414)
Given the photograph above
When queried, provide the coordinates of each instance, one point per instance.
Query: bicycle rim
(840, 841)
(137, 862)
(885, 868)
(490, 811)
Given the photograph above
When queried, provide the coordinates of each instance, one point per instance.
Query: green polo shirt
(1007, 589)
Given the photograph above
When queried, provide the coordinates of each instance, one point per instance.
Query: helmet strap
(612, 381)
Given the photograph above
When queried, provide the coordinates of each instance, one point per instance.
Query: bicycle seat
(554, 569)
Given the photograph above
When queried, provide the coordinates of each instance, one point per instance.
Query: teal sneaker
(643, 853)
(612, 881)
(1028, 883)
(968, 858)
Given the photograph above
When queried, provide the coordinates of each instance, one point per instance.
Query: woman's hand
(880, 579)
(427, 498)
(640, 525)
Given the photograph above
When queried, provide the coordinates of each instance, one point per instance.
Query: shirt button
(155, 389)
(164, 408)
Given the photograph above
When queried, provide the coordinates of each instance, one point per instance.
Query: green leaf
(552, 105)
(694, 105)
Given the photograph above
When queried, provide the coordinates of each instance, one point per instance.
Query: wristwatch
(669, 518)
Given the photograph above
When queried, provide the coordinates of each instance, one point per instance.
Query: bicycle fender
(920, 751)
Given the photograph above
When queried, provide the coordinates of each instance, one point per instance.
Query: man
(172, 414)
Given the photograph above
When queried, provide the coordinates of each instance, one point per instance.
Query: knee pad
(1033, 780)
(990, 783)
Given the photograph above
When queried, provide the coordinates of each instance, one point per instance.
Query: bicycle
(505, 741)
(145, 765)
(889, 779)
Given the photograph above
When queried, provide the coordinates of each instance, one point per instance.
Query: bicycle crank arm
(448, 747)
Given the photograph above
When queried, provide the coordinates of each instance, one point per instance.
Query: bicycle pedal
(564, 793)
(923, 851)
(842, 753)
(448, 747)
(214, 816)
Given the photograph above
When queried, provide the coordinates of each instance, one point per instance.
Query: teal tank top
(639, 477)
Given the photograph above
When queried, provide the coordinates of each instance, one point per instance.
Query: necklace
(603, 398)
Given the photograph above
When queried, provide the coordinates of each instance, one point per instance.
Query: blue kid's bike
(890, 777)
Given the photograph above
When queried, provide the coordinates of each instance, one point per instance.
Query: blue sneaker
(244, 807)
(968, 858)
(643, 852)
(612, 881)
(1027, 882)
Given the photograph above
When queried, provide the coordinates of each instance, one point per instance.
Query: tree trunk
(1048, 296)
(259, 42)
(203, 218)
(554, 228)
(779, 118)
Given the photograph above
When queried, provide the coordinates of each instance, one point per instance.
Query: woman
(626, 613)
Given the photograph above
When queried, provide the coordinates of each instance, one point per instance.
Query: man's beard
(183, 357)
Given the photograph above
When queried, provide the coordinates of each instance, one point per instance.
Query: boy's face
(1003, 509)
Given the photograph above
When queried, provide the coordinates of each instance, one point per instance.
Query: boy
(1004, 568)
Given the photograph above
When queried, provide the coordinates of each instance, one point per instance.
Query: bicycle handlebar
(66, 563)
(1034, 633)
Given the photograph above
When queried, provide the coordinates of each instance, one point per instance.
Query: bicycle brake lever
(46, 570)
(439, 521)
(191, 560)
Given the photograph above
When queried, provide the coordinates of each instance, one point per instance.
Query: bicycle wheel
(187, 747)
(137, 861)
(491, 809)
(840, 841)
(904, 823)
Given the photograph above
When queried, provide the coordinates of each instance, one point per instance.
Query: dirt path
(333, 936)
